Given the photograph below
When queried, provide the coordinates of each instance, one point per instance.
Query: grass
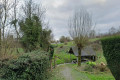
(76, 72)
(69, 44)
(64, 57)
(56, 75)
(79, 75)
(102, 76)
(91, 76)
(61, 51)
(94, 39)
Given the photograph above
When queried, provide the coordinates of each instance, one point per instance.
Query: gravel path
(66, 72)
(70, 74)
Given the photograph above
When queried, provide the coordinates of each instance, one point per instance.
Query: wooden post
(95, 58)
(0, 30)
(55, 62)
(70, 56)
(51, 64)
(0, 43)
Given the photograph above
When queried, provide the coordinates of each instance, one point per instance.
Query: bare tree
(15, 18)
(112, 31)
(5, 17)
(92, 34)
(7, 6)
(79, 28)
(30, 8)
(14, 22)
(118, 31)
(0, 27)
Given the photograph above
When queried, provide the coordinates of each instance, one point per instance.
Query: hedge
(111, 50)
(30, 66)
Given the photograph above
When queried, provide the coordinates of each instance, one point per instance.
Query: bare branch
(80, 26)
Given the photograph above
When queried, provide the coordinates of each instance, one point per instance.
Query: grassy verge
(56, 75)
(77, 74)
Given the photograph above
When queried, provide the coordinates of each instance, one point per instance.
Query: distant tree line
(64, 39)
(111, 32)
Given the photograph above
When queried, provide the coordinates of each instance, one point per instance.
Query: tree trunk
(55, 61)
(79, 56)
(0, 43)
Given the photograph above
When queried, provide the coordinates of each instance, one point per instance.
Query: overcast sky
(106, 13)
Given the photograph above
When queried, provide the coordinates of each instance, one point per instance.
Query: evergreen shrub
(29, 66)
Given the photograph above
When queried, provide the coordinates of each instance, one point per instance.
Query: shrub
(111, 50)
(59, 61)
(96, 46)
(61, 46)
(91, 63)
(88, 68)
(30, 66)
(102, 67)
(64, 58)
(55, 45)
(65, 43)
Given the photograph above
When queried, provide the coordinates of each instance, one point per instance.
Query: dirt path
(70, 74)
(66, 72)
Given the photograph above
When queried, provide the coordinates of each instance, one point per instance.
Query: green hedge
(30, 66)
(111, 50)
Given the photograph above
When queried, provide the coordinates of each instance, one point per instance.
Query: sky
(105, 14)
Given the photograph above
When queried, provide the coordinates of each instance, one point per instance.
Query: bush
(59, 61)
(65, 43)
(30, 66)
(102, 67)
(61, 46)
(91, 63)
(55, 45)
(111, 50)
(88, 68)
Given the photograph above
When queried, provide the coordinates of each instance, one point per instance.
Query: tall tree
(14, 22)
(0, 27)
(15, 18)
(31, 30)
(80, 25)
(7, 6)
(34, 35)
